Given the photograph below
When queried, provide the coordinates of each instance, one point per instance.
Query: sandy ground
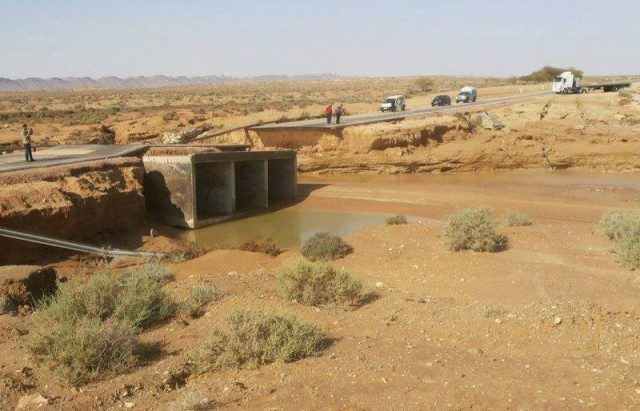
(550, 323)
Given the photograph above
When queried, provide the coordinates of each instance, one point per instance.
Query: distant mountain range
(84, 83)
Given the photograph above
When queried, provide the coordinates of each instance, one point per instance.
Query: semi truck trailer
(569, 83)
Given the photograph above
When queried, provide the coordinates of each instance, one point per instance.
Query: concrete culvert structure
(197, 188)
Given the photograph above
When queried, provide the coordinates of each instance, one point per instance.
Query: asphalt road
(363, 119)
(63, 155)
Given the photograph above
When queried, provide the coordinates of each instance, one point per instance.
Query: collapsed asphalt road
(363, 119)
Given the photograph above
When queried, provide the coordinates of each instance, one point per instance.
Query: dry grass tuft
(518, 220)
(325, 247)
(255, 339)
(623, 227)
(474, 229)
(618, 225)
(317, 284)
(199, 296)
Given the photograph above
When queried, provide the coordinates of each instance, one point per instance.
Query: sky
(60, 38)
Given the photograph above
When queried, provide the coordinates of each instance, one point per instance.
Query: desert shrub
(518, 220)
(87, 330)
(474, 229)
(267, 247)
(548, 73)
(74, 301)
(628, 251)
(396, 220)
(618, 225)
(199, 296)
(317, 283)
(325, 247)
(255, 339)
(142, 301)
(85, 349)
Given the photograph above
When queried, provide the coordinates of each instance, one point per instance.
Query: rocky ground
(550, 323)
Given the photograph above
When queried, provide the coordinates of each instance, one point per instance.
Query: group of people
(27, 133)
(329, 112)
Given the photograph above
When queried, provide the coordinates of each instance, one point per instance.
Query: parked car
(393, 103)
(442, 100)
(467, 95)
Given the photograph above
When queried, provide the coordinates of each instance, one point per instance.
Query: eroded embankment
(449, 147)
(84, 202)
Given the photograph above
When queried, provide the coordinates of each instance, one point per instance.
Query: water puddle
(287, 228)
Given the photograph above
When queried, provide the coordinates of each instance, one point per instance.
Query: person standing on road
(27, 133)
(339, 113)
(328, 111)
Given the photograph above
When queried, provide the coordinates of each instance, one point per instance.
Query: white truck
(467, 95)
(569, 83)
(393, 103)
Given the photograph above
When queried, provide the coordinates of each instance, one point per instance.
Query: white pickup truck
(393, 103)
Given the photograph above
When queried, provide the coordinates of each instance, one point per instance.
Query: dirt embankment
(81, 202)
(599, 131)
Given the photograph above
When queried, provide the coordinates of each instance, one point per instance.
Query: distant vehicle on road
(569, 83)
(467, 95)
(442, 100)
(394, 103)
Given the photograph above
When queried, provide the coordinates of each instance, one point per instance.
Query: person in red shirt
(328, 111)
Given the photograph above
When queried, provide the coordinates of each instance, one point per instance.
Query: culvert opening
(214, 189)
(251, 185)
(282, 181)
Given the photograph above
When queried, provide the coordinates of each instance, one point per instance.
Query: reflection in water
(288, 227)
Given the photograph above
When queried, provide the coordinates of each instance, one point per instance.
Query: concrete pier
(191, 188)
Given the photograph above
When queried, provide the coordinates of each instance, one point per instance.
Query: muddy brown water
(287, 227)
(328, 205)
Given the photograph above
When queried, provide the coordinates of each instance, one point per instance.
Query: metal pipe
(70, 245)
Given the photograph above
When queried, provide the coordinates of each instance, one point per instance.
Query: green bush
(325, 247)
(518, 220)
(619, 225)
(199, 297)
(396, 220)
(317, 284)
(86, 349)
(474, 229)
(255, 339)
